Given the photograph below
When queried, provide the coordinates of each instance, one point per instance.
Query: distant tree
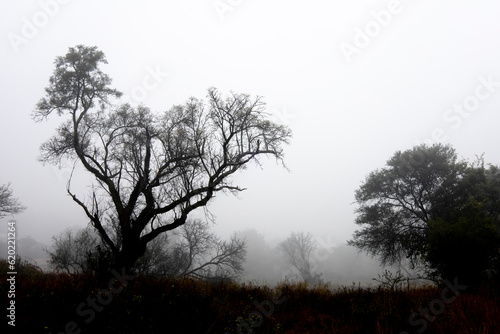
(297, 249)
(77, 252)
(207, 256)
(9, 205)
(261, 260)
(423, 194)
(194, 252)
(151, 170)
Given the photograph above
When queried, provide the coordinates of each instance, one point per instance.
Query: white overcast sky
(352, 89)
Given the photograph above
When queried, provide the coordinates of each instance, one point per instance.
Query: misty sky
(354, 80)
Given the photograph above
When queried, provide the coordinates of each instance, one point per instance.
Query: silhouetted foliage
(151, 170)
(465, 242)
(427, 206)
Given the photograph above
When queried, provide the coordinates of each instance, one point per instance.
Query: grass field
(61, 303)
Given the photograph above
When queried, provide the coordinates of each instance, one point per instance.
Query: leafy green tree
(465, 248)
(396, 203)
(465, 242)
(427, 206)
(151, 170)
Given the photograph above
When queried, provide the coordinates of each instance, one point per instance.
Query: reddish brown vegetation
(47, 302)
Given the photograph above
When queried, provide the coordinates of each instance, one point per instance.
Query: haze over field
(355, 82)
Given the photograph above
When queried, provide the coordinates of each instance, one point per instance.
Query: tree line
(425, 206)
(190, 251)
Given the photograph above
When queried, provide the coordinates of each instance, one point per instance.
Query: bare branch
(9, 205)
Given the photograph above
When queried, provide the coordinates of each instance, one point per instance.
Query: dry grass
(48, 302)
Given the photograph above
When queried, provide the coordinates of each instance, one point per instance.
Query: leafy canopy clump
(427, 206)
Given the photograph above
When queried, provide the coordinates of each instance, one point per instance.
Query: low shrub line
(153, 305)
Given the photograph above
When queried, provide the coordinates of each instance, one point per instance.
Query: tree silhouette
(151, 170)
(437, 211)
(297, 249)
(396, 203)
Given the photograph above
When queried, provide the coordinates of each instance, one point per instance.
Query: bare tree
(297, 249)
(193, 251)
(151, 170)
(209, 257)
(76, 252)
(9, 205)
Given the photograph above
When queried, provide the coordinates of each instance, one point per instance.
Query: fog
(355, 82)
(338, 266)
